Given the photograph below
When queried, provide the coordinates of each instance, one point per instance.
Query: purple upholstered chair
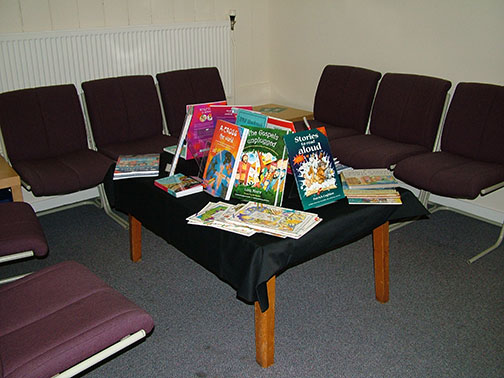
(470, 161)
(46, 143)
(343, 100)
(125, 116)
(183, 87)
(21, 235)
(64, 319)
(405, 120)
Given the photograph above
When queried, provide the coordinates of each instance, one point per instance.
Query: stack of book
(131, 166)
(247, 219)
(370, 187)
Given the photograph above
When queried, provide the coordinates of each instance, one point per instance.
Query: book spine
(244, 134)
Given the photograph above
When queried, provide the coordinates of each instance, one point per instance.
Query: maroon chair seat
(59, 316)
(20, 230)
(46, 143)
(404, 121)
(125, 116)
(184, 87)
(343, 100)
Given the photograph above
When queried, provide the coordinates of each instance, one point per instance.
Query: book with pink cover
(201, 128)
(226, 112)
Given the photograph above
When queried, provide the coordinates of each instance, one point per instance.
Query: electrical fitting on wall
(232, 18)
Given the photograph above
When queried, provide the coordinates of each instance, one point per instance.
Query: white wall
(281, 46)
(458, 40)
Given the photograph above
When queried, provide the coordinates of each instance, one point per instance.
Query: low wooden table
(10, 179)
(284, 112)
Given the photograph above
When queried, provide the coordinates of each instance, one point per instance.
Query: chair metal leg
(108, 209)
(100, 356)
(489, 249)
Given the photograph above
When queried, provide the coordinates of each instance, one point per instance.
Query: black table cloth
(247, 263)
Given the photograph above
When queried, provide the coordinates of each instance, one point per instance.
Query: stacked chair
(343, 101)
(191, 86)
(469, 161)
(62, 319)
(405, 119)
(125, 116)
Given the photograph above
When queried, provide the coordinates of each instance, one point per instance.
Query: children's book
(276, 123)
(227, 112)
(274, 219)
(262, 168)
(179, 185)
(201, 128)
(223, 157)
(130, 166)
(246, 117)
(379, 178)
(313, 168)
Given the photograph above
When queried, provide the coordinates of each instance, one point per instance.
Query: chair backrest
(183, 87)
(42, 122)
(408, 108)
(474, 125)
(344, 96)
(123, 109)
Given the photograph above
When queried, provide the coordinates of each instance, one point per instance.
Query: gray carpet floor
(445, 318)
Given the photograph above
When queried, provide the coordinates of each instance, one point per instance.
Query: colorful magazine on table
(223, 157)
(131, 166)
(262, 168)
(313, 168)
(380, 178)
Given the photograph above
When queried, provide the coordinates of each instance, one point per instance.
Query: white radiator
(46, 58)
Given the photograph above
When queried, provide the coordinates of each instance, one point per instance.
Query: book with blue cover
(223, 158)
(245, 117)
(312, 165)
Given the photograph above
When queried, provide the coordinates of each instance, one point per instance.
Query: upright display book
(262, 168)
(276, 123)
(223, 157)
(227, 112)
(380, 178)
(179, 185)
(313, 168)
(130, 166)
(246, 117)
(201, 128)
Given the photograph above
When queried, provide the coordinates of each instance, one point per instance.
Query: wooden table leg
(135, 231)
(17, 194)
(381, 261)
(265, 329)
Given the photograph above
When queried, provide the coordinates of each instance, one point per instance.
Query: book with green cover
(313, 168)
(262, 168)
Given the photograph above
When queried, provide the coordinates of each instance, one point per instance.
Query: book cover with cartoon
(223, 157)
(262, 168)
(313, 168)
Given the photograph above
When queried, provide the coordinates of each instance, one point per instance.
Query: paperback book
(262, 168)
(312, 165)
(246, 117)
(179, 185)
(226, 112)
(380, 178)
(131, 166)
(223, 157)
(201, 128)
(276, 220)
